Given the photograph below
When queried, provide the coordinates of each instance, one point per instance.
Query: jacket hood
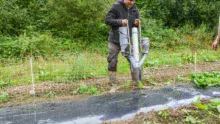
(121, 1)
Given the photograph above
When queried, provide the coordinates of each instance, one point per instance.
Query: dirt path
(52, 92)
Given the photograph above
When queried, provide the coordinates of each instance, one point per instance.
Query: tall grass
(87, 65)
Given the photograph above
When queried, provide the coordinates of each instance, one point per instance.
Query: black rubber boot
(113, 81)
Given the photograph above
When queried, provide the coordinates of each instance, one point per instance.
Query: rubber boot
(113, 81)
(112, 78)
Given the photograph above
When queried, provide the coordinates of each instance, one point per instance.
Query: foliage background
(51, 27)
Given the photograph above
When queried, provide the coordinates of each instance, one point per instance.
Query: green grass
(179, 57)
(4, 97)
(72, 67)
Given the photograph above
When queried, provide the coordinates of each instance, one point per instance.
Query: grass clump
(84, 89)
(4, 97)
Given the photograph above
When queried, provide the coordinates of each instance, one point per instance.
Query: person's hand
(136, 22)
(124, 22)
(215, 45)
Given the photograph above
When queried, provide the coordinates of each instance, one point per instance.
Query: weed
(43, 74)
(140, 85)
(4, 97)
(168, 82)
(182, 79)
(5, 84)
(190, 119)
(188, 57)
(126, 85)
(93, 90)
(84, 89)
(210, 108)
(51, 94)
(150, 81)
(163, 113)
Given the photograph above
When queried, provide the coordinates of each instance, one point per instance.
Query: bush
(79, 19)
(160, 36)
(175, 13)
(28, 44)
(13, 18)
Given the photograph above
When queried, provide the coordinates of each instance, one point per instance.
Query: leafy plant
(93, 90)
(140, 84)
(43, 74)
(192, 120)
(206, 79)
(84, 89)
(210, 107)
(200, 105)
(188, 57)
(163, 113)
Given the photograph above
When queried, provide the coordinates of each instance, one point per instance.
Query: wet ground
(108, 107)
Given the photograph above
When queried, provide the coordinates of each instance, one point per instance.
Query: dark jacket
(116, 14)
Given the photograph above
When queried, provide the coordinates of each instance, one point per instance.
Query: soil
(181, 115)
(55, 92)
(174, 116)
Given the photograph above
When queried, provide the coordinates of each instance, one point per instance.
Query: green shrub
(29, 44)
(175, 13)
(79, 19)
(160, 36)
(13, 18)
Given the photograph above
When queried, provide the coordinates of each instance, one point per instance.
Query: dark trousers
(113, 51)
